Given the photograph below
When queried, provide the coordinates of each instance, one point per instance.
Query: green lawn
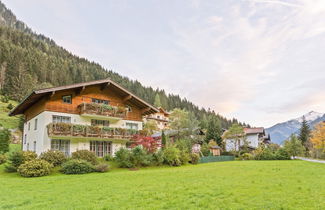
(225, 185)
(5, 120)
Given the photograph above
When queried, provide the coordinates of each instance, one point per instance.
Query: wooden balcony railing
(103, 110)
(75, 130)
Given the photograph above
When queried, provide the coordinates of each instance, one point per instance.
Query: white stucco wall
(43, 142)
(252, 140)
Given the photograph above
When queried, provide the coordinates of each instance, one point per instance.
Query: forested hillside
(30, 61)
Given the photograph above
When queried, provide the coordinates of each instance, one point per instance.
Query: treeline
(30, 61)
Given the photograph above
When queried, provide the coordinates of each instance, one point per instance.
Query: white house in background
(99, 116)
(161, 118)
(253, 136)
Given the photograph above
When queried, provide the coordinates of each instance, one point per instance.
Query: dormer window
(67, 99)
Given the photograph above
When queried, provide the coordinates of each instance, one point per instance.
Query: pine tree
(304, 133)
(4, 140)
(157, 101)
(163, 140)
(214, 131)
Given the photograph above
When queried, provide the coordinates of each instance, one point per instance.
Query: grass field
(5, 120)
(225, 185)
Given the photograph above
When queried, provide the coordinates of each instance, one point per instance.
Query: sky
(260, 61)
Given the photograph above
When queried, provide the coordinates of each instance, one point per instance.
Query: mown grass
(5, 120)
(223, 185)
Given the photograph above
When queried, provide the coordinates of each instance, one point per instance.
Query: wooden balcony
(90, 132)
(102, 111)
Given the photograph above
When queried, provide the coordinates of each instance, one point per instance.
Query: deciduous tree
(294, 146)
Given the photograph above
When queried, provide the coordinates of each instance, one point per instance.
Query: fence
(209, 159)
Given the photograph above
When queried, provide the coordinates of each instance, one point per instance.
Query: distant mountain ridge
(282, 131)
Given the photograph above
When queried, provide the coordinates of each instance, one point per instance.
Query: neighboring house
(253, 137)
(161, 118)
(100, 116)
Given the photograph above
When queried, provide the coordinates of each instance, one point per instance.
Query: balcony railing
(75, 130)
(102, 110)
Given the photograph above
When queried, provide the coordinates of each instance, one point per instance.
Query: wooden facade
(54, 102)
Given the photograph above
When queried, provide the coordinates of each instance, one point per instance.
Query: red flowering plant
(148, 143)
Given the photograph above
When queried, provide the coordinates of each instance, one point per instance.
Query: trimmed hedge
(77, 166)
(56, 158)
(85, 155)
(35, 168)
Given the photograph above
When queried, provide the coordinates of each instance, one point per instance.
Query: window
(61, 145)
(25, 138)
(67, 99)
(64, 119)
(100, 148)
(29, 126)
(35, 126)
(133, 126)
(99, 122)
(34, 146)
(99, 101)
(129, 108)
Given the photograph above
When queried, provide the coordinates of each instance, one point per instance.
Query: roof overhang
(35, 96)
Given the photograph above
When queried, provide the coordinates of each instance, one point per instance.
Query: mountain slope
(30, 61)
(282, 131)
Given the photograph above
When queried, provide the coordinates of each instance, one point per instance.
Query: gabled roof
(39, 94)
(163, 110)
(254, 130)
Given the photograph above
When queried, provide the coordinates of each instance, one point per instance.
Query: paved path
(311, 160)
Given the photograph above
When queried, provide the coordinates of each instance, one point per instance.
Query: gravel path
(311, 160)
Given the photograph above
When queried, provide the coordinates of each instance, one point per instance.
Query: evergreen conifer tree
(214, 131)
(304, 133)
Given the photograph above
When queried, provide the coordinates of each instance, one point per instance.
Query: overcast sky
(261, 61)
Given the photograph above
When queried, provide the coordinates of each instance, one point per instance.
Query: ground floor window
(133, 126)
(100, 148)
(61, 145)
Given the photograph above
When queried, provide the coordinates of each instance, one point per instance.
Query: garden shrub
(56, 158)
(77, 166)
(194, 158)
(246, 156)
(122, 157)
(172, 156)
(157, 158)
(282, 154)
(10, 106)
(184, 157)
(3, 159)
(270, 153)
(85, 155)
(108, 157)
(139, 157)
(101, 167)
(35, 168)
(17, 158)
